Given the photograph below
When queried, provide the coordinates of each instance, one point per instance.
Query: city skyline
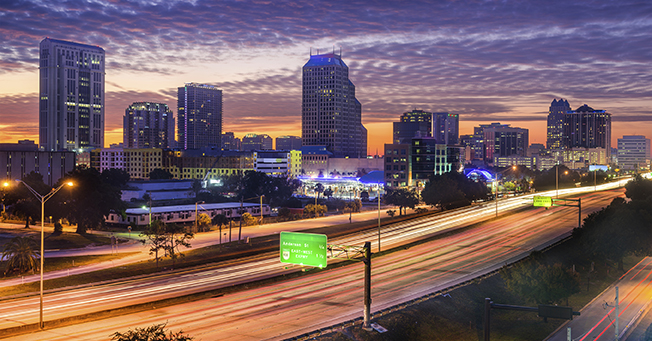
(486, 62)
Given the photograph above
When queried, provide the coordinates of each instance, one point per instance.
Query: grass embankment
(460, 316)
(55, 241)
(206, 257)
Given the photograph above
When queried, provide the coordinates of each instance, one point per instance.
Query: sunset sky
(488, 61)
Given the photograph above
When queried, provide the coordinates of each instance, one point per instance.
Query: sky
(488, 61)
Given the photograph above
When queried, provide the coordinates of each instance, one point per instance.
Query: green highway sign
(542, 201)
(303, 249)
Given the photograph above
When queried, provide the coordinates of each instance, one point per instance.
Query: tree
(540, 283)
(402, 197)
(115, 177)
(160, 174)
(220, 220)
(248, 219)
(444, 192)
(21, 255)
(177, 236)
(155, 235)
(312, 210)
(203, 222)
(153, 333)
(328, 192)
(319, 188)
(24, 203)
(364, 196)
(93, 198)
(638, 188)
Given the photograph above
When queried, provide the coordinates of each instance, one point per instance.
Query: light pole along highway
(43, 199)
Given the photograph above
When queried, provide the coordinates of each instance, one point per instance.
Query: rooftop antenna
(310, 51)
(340, 51)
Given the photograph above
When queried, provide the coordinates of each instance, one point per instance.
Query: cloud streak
(486, 60)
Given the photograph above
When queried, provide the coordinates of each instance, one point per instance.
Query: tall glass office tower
(199, 116)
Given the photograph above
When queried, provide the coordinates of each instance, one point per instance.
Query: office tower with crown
(331, 114)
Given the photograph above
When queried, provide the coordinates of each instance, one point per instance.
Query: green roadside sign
(307, 249)
(542, 201)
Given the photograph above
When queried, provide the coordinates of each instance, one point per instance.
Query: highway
(321, 298)
(597, 321)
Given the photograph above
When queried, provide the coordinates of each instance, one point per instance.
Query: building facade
(555, 127)
(256, 142)
(148, 125)
(288, 143)
(415, 123)
(230, 142)
(15, 164)
(587, 128)
(140, 162)
(112, 158)
(446, 127)
(633, 152)
(398, 171)
(331, 115)
(432, 158)
(199, 116)
(71, 96)
(504, 141)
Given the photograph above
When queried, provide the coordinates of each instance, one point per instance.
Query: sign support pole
(367, 286)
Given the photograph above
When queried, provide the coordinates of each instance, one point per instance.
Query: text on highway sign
(542, 201)
(303, 249)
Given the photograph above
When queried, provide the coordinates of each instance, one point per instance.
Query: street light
(496, 183)
(197, 215)
(4, 184)
(557, 179)
(43, 199)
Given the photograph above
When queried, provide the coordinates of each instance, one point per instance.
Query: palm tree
(21, 255)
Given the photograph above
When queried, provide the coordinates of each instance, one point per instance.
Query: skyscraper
(200, 116)
(415, 123)
(446, 127)
(288, 143)
(148, 125)
(556, 123)
(587, 128)
(331, 115)
(71, 95)
(633, 152)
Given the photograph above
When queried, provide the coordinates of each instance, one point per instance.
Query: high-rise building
(446, 127)
(71, 96)
(633, 152)
(288, 143)
(230, 142)
(587, 128)
(331, 115)
(556, 123)
(200, 116)
(415, 123)
(256, 142)
(148, 125)
(503, 140)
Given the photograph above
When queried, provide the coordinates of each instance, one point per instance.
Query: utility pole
(617, 313)
(379, 217)
(367, 286)
(261, 210)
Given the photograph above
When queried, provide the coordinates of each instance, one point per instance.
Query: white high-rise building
(71, 96)
(331, 115)
(633, 152)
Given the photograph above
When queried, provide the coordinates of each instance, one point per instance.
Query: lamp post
(43, 199)
(379, 216)
(4, 184)
(350, 206)
(197, 215)
(557, 179)
(496, 183)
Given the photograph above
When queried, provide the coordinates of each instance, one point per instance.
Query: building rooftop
(75, 44)
(325, 59)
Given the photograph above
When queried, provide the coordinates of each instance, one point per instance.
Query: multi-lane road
(319, 299)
